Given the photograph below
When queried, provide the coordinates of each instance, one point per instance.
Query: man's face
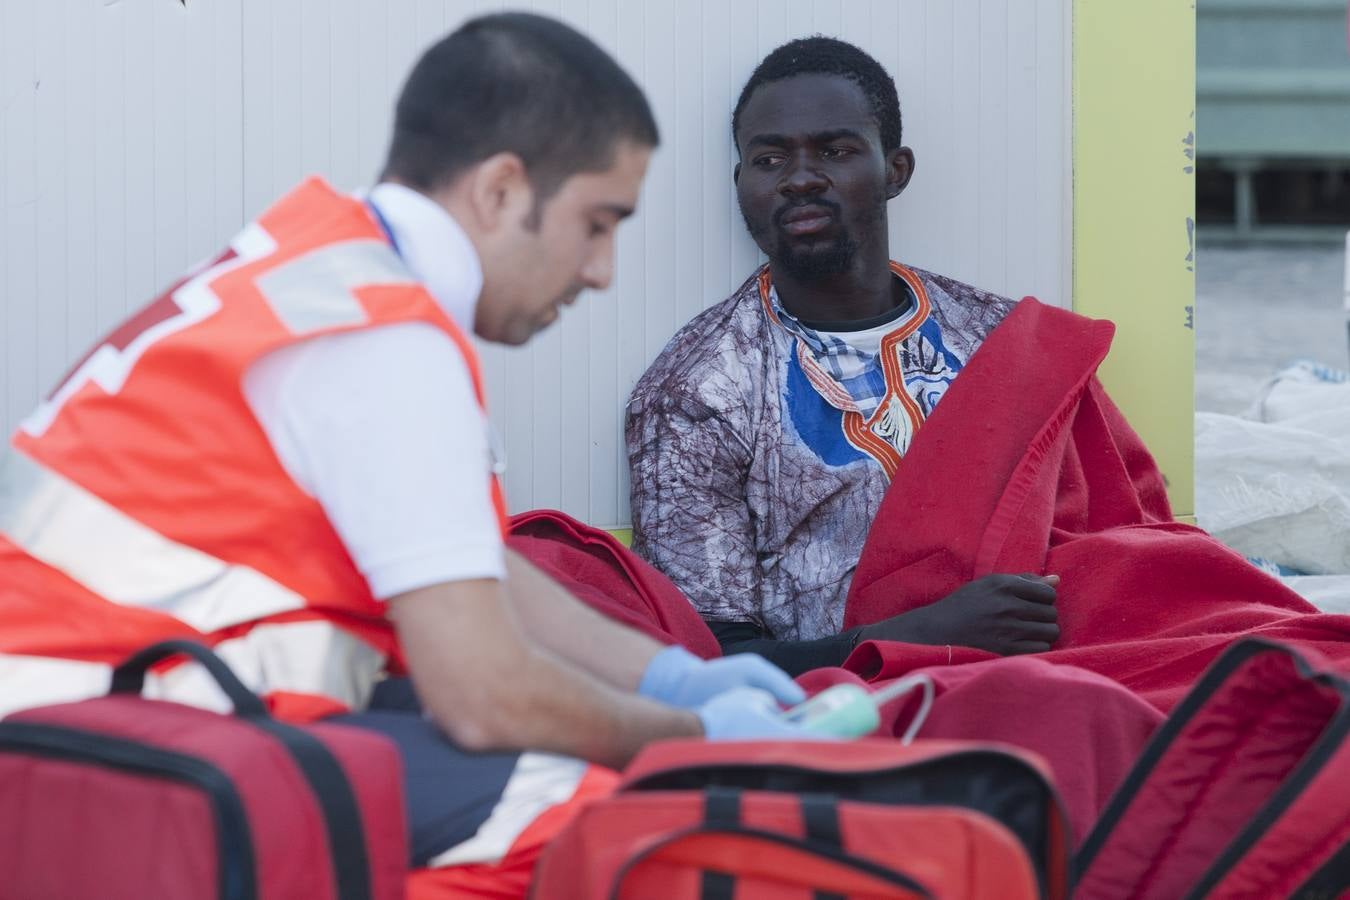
(813, 180)
(550, 258)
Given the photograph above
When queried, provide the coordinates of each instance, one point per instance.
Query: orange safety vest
(143, 500)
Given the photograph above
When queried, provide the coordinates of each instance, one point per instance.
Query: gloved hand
(750, 714)
(677, 677)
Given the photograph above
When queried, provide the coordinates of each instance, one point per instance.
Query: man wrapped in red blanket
(1021, 514)
(1024, 516)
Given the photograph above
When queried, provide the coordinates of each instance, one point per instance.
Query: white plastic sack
(1276, 491)
(1309, 396)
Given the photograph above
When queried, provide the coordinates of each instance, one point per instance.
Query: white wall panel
(137, 135)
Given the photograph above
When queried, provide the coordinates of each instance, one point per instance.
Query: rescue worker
(287, 457)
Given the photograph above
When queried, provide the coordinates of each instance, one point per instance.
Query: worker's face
(551, 255)
(813, 179)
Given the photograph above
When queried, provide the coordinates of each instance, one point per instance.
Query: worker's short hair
(519, 83)
(820, 55)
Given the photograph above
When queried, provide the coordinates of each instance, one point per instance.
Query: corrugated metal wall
(136, 136)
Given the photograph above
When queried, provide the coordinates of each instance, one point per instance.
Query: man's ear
(899, 169)
(736, 174)
(499, 191)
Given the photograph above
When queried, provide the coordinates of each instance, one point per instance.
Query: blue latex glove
(750, 714)
(677, 677)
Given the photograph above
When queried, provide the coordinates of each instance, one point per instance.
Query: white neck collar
(434, 247)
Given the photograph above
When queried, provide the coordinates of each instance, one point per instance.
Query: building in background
(1273, 193)
(1273, 119)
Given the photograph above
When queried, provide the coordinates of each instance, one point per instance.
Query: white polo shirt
(382, 428)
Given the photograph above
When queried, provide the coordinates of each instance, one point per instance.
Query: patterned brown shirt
(755, 476)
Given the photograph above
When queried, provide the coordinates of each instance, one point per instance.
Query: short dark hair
(819, 55)
(519, 83)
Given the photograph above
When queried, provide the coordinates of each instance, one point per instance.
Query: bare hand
(1004, 614)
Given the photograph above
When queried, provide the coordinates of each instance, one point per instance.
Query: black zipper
(1328, 881)
(1332, 740)
(1181, 717)
(1044, 876)
(1158, 746)
(644, 783)
(237, 871)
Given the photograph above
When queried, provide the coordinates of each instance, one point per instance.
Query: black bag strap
(129, 677)
(717, 886)
(338, 803)
(323, 773)
(722, 812)
(726, 882)
(820, 815)
(721, 809)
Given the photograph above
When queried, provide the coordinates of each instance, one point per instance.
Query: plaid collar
(827, 346)
(859, 373)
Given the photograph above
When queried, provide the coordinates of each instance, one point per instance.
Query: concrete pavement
(1259, 307)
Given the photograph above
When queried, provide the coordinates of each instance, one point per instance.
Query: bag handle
(881, 879)
(129, 676)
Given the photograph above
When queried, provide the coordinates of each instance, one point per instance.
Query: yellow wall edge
(1134, 214)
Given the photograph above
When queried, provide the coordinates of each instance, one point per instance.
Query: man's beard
(810, 263)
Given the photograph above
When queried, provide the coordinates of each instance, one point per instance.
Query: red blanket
(609, 577)
(1027, 466)
(1089, 735)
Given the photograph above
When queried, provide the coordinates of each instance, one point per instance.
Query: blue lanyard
(384, 226)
